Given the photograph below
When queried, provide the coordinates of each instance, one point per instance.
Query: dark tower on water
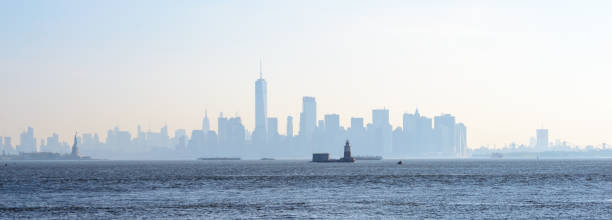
(75, 149)
(347, 153)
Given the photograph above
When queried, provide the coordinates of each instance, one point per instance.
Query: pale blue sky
(504, 68)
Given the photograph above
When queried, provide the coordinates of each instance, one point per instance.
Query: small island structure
(324, 157)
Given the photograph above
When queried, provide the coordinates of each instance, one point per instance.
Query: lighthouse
(347, 153)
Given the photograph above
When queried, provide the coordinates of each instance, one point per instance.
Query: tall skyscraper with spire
(261, 109)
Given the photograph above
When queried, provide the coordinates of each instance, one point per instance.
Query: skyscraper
(308, 117)
(460, 139)
(272, 127)
(27, 141)
(8, 144)
(289, 126)
(261, 109)
(332, 123)
(542, 138)
(357, 124)
(357, 134)
(382, 129)
(231, 135)
(444, 131)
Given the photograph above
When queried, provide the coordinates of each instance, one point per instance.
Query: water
(298, 189)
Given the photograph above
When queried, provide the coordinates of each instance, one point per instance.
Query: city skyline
(501, 75)
(418, 136)
(306, 109)
(308, 105)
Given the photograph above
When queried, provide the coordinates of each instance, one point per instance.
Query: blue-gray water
(299, 189)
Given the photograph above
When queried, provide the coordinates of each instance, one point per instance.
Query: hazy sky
(504, 68)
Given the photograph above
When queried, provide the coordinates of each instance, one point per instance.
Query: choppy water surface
(299, 189)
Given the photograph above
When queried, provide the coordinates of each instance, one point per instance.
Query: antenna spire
(260, 72)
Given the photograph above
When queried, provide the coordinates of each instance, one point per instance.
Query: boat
(267, 158)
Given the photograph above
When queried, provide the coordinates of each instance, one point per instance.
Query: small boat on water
(400, 162)
(267, 158)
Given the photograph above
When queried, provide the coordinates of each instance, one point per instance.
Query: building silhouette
(380, 133)
(289, 131)
(261, 110)
(231, 136)
(541, 139)
(27, 142)
(461, 140)
(308, 117)
(357, 134)
(416, 137)
(444, 132)
(273, 129)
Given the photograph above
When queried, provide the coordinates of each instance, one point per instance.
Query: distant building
(321, 125)
(180, 133)
(460, 139)
(196, 143)
(357, 134)
(444, 131)
(332, 132)
(261, 110)
(357, 124)
(332, 123)
(231, 135)
(27, 142)
(272, 127)
(542, 138)
(118, 140)
(180, 140)
(8, 144)
(381, 131)
(418, 135)
(308, 117)
(52, 145)
(289, 126)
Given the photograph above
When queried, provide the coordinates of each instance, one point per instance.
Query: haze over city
(305, 109)
(503, 69)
